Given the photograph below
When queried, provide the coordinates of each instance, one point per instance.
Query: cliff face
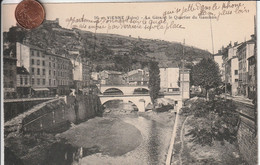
(100, 47)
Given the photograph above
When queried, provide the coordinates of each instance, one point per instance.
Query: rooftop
(22, 70)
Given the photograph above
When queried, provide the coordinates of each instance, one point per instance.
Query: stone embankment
(52, 115)
(247, 140)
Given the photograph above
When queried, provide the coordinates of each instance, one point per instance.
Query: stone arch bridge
(141, 101)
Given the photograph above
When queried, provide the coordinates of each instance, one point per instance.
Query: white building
(174, 80)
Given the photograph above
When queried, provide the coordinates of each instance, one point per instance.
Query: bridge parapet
(124, 89)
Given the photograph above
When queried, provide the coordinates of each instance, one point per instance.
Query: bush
(185, 111)
(164, 108)
(221, 121)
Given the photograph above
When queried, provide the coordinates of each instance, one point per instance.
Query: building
(50, 74)
(23, 84)
(138, 77)
(81, 72)
(60, 74)
(252, 77)
(9, 77)
(169, 77)
(244, 52)
(175, 80)
(185, 82)
(108, 77)
(230, 60)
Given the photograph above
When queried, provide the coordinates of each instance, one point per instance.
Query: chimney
(219, 51)
(235, 44)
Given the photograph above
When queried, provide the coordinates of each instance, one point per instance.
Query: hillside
(111, 50)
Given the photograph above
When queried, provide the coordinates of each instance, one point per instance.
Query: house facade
(49, 73)
(231, 69)
(175, 80)
(138, 77)
(23, 84)
(245, 51)
(9, 71)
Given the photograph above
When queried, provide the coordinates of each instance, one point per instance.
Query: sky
(235, 23)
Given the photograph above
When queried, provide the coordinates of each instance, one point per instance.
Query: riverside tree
(154, 80)
(206, 74)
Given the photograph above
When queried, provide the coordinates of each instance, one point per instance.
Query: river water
(152, 150)
(155, 130)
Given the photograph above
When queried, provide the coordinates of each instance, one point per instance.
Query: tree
(206, 74)
(154, 80)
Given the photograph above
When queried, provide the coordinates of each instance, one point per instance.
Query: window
(54, 82)
(50, 82)
(49, 72)
(38, 62)
(54, 73)
(38, 54)
(43, 81)
(32, 61)
(236, 80)
(236, 72)
(38, 71)
(38, 81)
(32, 52)
(25, 80)
(32, 81)
(53, 65)
(43, 71)
(32, 69)
(21, 80)
(43, 63)
(50, 64)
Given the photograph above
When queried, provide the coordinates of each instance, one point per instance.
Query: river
(152, 150)
(123, 137)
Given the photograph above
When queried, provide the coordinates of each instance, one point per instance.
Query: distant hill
(111, 50)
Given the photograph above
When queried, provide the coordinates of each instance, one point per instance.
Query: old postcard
(129, 83)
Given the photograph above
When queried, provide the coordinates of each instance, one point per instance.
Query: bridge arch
(141, 91)
(113, 91)
(141, 103)
(123, 100)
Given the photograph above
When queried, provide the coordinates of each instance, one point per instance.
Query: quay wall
(56, 115)
(247, 141)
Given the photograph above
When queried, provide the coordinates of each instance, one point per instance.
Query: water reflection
(62, 153)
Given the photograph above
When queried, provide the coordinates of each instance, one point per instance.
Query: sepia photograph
(129, 83)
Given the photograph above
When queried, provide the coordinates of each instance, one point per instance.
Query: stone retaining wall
(56, 115)
(247, 143)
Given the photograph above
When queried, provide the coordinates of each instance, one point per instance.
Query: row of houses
(33, 71)
(133, 77)
(237, 64)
